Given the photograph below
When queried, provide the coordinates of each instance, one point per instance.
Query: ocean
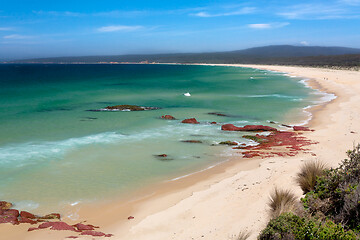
(54, 152)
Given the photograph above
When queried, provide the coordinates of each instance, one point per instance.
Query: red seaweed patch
(50, 221)
(293, 143)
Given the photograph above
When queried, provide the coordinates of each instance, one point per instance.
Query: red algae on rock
(300, 128)
(51, 221)
(292, 141)
(168, 117)
(247, 128)
(190, 120)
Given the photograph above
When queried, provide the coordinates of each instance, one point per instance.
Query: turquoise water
(53, 152)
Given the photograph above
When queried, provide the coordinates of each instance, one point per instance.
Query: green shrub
(336, 194)
(290, 226)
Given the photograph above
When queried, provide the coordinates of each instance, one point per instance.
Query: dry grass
(309, 171)
(282, 201)
(244, 235)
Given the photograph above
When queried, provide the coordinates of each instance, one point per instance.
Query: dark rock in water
(272, 122)
(300, 128)
(190, 120)
(161, 155)
(285, 125)
(129, 108)
(168, 117)
(231, 127)
(124, 108)
(230, 143)
(213, 122)
(218, 114)
(191, 141)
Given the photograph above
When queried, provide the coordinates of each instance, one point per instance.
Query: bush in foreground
(282, 201)
(308, 174)
(337, 193)
(290, 226)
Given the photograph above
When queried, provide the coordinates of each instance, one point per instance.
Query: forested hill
(276, 54)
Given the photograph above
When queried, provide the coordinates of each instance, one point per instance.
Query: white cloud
(304, 43)
(318, 11)
(118, 28)
(350, 2)
(242, 11)
(5, 29)
(62, 14)
(267, 25)
(17, 36)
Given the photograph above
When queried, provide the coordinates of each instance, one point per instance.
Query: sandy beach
(220, 202)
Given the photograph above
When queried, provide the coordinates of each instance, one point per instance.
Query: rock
(11, 212)
(285, 125)
(218, 114)
(231, 127)
(93, 233)
(25, 214)
(72, 237)
(60, 226)
(32, 229)
(230, 143)
(83, 227)
(27, 220)
(131, 217)
(213, 123)
(168, 117)
(162, 155)
(51, 216)
(191, 121)
(128, 108)
(9, 219)
(5, 205)
(192, 141)
(256, 138)
(300, 128)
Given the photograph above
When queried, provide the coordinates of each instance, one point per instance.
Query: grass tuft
(282, 201)
(308, 174)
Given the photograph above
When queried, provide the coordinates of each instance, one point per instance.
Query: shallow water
(54, 152)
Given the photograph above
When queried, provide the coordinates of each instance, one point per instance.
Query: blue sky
(40, 28)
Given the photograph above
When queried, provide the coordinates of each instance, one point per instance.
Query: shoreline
(165, 213)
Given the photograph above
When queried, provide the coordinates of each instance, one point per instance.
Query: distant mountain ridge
(297, 51)
(274, 54)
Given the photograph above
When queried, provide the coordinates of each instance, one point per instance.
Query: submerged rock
(218, 114)
(168, 117)
(259, 128)
(125, 108)
(230, 143)
(191, 141)
(190, 120)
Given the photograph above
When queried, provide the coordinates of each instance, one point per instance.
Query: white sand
(219, 203)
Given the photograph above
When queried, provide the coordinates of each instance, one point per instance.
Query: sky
(43, 28)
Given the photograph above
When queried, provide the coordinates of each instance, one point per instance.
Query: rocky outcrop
(168, 117)
(247, 128)
(218, 114)
(49, 221)
(124, 108)
(191, 141)
(300, 128)
(230, 143)
(190, 120)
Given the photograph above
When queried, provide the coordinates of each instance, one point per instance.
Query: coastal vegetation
(330, 208)
(329, 57)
